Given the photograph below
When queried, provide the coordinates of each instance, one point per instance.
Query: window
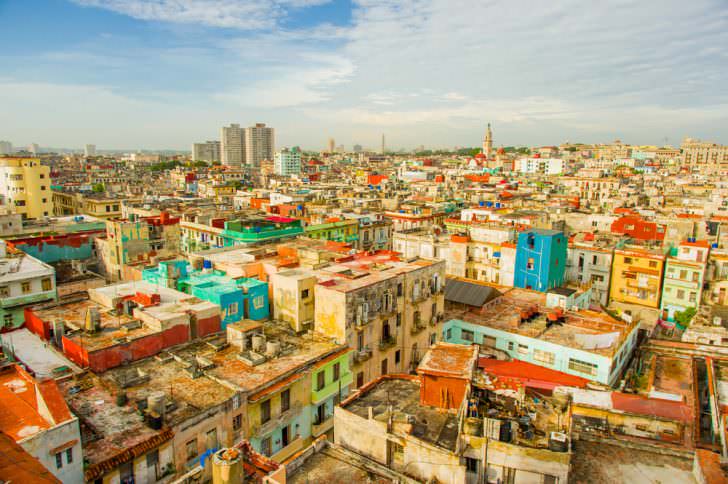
(232, 309)
(433, 338)
(397, 357)
(191, 449)
(511, 345)
(399, 289)
(320, 380)
(683, 274)
(265, 447)
(384, 366)
(489, 341)
(692, 297)
(4, 291)
(211, 439)
(582, 366)
(8, 319)
(360, 379)
(59, 460)
(236, 401)
(265, 411)
(530, 263)
(523, 349)
(42, 187)
(544, 356)
(46, 284)
(595, 259)
(285, 400)
(399, 319)
(627, 260)
(25, 286)
(448, 334)
(653, 264)
(69, 455)
(304, 294)
(467, 335)
(471, 465)
(237, 421)
(153, 462)
(337, 371)
(681, 293)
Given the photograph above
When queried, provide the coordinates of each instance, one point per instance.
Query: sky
(162, 74)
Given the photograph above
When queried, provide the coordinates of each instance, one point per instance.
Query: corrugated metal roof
(468, 293)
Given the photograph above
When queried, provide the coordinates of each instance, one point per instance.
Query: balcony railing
(417, 326)
(321, 427)
(362, 355)
(387, 342)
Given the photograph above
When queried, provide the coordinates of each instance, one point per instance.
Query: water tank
(489, 204)
(715, 245)
(207, 264)
(227, 466)
(481, 203)
(156, 403)
(259, 343)
(272, 348)
(497, 204)
(558, 442)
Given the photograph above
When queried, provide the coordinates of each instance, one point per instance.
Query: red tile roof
(17, 465)
(641, 405)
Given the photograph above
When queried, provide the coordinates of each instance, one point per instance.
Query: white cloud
(237, 14)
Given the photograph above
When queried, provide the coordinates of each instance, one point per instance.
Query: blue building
(540, 259)
(242, 298)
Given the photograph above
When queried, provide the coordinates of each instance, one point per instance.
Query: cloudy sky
(160, 74)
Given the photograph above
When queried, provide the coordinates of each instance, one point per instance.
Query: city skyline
(136, 74)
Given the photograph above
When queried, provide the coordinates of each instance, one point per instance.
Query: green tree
(683, 318)
(98, 188)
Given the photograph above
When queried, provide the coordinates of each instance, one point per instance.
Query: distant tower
(488, 142)
(384, 145)
(331, 146)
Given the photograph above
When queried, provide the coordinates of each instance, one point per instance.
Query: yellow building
(637, 276)
(25, 184)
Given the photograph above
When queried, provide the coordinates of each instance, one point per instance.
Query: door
(285, 436)
(384, 366)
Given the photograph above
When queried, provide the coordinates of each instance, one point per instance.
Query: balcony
(322, 427)
(436, 319)
(332, 388)
(362, 355)
(417, 326)
(387, 342)
(294, 446)
(261, 430)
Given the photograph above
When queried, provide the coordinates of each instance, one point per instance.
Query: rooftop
(38, 356)
(402, 394)
(524, 312)
(446, 359)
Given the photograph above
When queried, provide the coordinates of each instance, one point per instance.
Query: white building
(6, 147)
(24, 280)
(288, 162)
(540, 166)
(34, 148)
(208, 151)
(259, 144)
(41, 423)
(232, 145)
(89, 150)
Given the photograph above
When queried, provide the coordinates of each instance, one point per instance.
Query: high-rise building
(288, 162)
(384, 144)
(6, 147)
(89, 150)
(232, 145)
(488, 142)
(357, 149)
(26, 186)
(331, 146)
(259, 144)
(33, 148)
(208, 151)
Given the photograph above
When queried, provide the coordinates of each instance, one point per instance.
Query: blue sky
(160, 74)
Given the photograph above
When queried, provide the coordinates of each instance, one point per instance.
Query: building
(34, 149)
(336, 229)
(6, 148)
(24, 281)
(260, 144)
(540, 259)
(331, 146)
(209, 151)
(433, 427)
(534, 327)
(637, 276)
(34, 414)
(288, 162)
(706, 158)
(89, 150)
(540, 166)
(25, 185)
(685, 268)
(232, 145)
(589, 263)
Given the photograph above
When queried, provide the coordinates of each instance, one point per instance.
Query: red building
(636, 227)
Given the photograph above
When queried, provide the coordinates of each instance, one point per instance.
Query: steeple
(488, 142)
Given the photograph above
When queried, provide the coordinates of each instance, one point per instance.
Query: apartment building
(232, 145)
(259, 144)
(288, 162)
(637, 276)
(685, 268)
(707, 158)
(589, 263)
(540, 259)
(25, 185)
(209, 151)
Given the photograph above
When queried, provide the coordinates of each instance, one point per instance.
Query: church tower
(488, 143)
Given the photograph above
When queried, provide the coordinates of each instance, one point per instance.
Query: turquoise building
(242, 298)
(250, 231)
(540, 259)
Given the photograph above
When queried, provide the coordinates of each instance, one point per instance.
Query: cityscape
(294, 280)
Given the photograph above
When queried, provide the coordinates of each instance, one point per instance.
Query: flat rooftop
(431, 424)
(37, 355)
(335, 465)
(448, 359)
(586, 330)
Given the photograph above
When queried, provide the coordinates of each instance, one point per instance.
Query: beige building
(259, 144)
(707, 158)
(25, 184)
(232, 145)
